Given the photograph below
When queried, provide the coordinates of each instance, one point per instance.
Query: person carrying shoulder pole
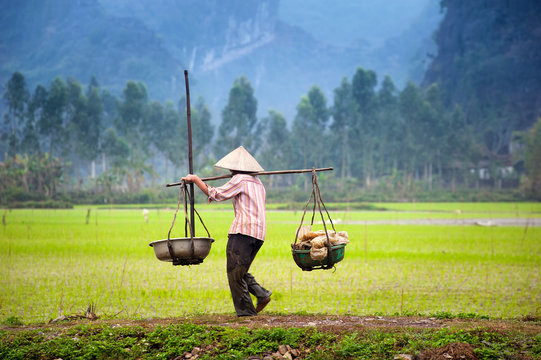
(247, 232)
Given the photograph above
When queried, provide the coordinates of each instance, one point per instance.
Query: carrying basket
(305, 262)
(335, 253)
(189, 250)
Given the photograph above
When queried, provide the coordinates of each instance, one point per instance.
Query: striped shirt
(248, 195)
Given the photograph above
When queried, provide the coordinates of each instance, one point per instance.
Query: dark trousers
(241, 251)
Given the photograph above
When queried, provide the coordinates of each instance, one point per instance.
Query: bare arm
(197, 181)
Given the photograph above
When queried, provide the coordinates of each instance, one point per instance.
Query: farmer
(247, 232)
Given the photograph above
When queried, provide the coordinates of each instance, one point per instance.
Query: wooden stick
(190, 154)
(276, 172)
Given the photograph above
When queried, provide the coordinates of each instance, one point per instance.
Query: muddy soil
(327, 323)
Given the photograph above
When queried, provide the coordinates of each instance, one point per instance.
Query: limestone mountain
(489, 63)
(276, 46)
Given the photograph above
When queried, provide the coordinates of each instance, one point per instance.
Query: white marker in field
(145, 214)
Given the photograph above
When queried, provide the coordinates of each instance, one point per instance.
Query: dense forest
(470, 125)
(67, 138)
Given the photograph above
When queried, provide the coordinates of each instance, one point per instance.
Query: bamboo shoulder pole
(276, 172)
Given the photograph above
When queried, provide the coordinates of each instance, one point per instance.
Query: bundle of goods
(316, 241)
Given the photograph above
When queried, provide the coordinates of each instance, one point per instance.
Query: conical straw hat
(240, 160)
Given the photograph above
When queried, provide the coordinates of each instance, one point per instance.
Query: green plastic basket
(304, 261)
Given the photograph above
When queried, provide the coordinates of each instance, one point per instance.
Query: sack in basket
(316, 241)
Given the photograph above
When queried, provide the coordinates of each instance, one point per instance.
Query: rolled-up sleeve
(229, 190)
(248, 195)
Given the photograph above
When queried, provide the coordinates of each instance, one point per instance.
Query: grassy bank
(177, 340)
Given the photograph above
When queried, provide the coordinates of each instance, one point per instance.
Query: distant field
(531, 209)
(383, 211)
(54, 263)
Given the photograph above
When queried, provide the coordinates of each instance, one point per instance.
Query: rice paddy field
(57, 262)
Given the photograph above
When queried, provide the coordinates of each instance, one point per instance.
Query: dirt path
(328, 323)
(336, 323)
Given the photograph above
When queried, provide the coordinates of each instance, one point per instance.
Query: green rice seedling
(55, 262)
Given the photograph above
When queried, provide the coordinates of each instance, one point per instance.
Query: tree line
(373, 134)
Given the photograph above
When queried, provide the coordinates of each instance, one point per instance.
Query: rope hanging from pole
(318, 202)
(184, 196)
